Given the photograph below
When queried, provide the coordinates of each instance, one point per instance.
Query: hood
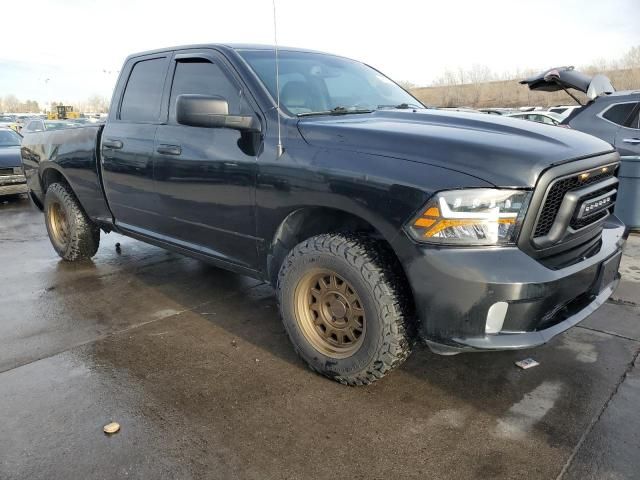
(10, 157)
(561, 78)
(502, 151)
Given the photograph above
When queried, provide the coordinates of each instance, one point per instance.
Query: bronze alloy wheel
(330, 313)
(58, 225)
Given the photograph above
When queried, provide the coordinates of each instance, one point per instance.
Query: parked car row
(12, 179)
(40, 122)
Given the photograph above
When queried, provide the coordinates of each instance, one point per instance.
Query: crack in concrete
(598, 416)
(617, 301)
(613, 334)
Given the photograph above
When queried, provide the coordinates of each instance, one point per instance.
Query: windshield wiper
(402, 106)
(339, 110)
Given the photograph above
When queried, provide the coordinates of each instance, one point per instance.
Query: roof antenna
(279, 147)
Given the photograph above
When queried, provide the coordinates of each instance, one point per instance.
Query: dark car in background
(12, 179)
(610, 115)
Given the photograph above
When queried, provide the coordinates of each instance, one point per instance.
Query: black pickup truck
(377, 220)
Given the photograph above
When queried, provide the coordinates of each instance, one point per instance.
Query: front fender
(382, 192)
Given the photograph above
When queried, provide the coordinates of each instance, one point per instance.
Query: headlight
(479, 216)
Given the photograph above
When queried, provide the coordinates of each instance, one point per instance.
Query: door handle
(169, 149)
(114, 144)
(631, 140)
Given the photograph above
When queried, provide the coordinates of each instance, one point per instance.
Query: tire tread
(380, 270)
(84, 235)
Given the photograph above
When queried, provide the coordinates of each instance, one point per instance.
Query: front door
(128, 141)
(205, 177)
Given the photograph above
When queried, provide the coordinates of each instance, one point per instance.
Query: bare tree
(11, 103)
(632, 58)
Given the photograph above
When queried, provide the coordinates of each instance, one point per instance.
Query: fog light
(495, 317)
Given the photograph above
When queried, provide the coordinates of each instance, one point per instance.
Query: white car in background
(548, 118)
(563, 110)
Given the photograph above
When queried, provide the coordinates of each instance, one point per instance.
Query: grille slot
(6, 171)
(556, 194)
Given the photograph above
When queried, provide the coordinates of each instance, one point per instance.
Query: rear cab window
(142, 97)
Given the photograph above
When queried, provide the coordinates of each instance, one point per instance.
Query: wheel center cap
(338, 308)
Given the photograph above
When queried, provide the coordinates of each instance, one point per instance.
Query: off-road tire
(82, 235)
(374, 273)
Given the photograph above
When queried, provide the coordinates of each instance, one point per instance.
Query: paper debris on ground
(527, 363)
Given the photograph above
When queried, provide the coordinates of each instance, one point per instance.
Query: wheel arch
(51, 173)
(307, 222)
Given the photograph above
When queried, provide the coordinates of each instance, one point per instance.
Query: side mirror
(211, 112)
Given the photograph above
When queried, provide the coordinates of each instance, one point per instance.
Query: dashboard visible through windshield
(315, 83)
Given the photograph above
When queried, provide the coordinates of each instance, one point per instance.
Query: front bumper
(455, 287)
(13, 184)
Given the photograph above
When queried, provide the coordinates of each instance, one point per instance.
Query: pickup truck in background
(378, 221)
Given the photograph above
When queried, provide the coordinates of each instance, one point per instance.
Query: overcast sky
(69, 49)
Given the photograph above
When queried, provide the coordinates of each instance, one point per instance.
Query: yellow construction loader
(62, 112)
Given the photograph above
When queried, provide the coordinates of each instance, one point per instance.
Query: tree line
(478, 86)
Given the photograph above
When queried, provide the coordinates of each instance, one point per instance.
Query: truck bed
(73, 154)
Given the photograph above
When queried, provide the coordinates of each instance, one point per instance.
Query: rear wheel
(345, 308)
(73, 236)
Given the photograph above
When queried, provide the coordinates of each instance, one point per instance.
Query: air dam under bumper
(454, 289)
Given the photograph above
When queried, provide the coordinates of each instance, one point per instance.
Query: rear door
(205, 177)
(628, 135)
(128, 143)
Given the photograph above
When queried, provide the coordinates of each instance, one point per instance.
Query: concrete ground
(194, 364)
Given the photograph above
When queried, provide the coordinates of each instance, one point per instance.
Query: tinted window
(142, 96)
(203, 78)
(619, 113)
(635, 123)
(9, 138)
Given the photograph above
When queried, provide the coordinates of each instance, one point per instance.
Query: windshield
(318, 83)
(9, 138)
(59, 125)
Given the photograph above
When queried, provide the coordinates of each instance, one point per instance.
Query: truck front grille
(556, 194)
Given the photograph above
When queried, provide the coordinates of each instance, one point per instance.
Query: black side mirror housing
(211, 112)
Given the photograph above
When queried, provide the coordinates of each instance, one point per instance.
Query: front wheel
(73, 236)
(345, 307)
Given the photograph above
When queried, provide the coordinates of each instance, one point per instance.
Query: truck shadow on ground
(551, 404)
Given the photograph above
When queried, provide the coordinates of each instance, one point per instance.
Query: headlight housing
(477, 216)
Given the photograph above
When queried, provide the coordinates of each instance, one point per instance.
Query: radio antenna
(279, 147)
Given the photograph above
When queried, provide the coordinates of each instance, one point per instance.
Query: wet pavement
(194, 364)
